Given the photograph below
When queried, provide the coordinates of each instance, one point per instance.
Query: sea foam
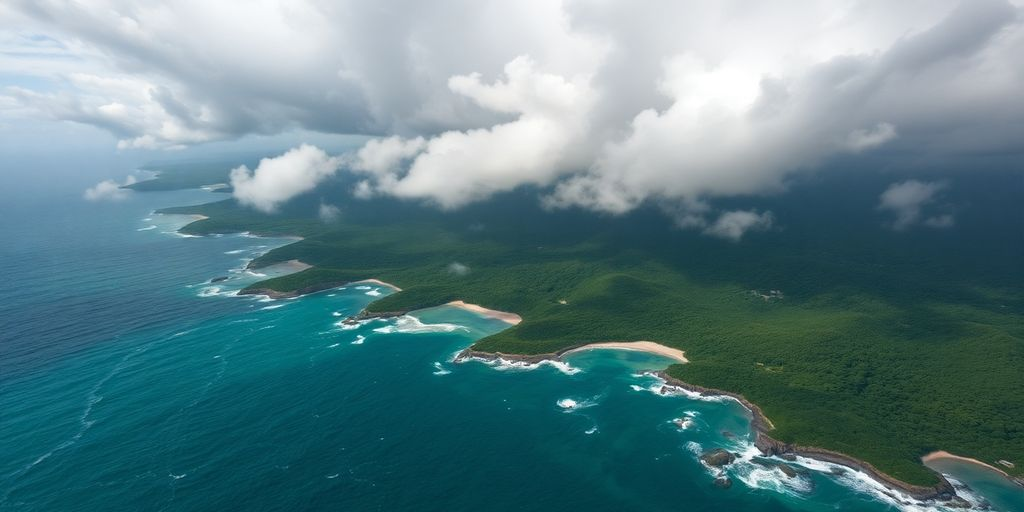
(502, 364)
(570, 404)
(409, 324)
(209, 291)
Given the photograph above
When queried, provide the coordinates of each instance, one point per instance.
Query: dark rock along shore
(943, 491)
(769, 447)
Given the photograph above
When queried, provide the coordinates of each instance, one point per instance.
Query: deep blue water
(129, 382)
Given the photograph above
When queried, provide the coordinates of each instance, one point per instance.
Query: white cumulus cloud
(732, 225)
(602, 105)
(544, 141)
(276, 180)
(328, 213)
(907, 201)
(109, 190)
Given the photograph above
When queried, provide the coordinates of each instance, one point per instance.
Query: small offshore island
(848, 355)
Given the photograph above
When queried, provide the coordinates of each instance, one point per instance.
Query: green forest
(882, 345)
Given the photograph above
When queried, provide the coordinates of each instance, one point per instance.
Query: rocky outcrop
(942, 491)
(368, 315)
(717, 457)
(269, 292)
(468, 354)
(722, 482)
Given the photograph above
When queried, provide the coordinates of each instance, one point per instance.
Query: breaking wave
(409, 324)
(502, 364)
(209, 291)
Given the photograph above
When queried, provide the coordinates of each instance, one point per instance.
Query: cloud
(276, 180)
(457, 269)
(908, 199)
(109, 190)
(384, 156)
(328, 213)
(545, 140)
(861, 140)
(940, 221)
(604, 105)
(732, 225)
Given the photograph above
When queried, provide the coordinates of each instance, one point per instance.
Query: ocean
(129, 381)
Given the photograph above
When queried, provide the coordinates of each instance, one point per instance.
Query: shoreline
(944, 455)
(504, 316)
(308, 290)
(769, 446)
(376, 282)
(760, 424)
(648, 347)
(942, 491)
(299, 265)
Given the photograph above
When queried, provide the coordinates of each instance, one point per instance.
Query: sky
(602, 105)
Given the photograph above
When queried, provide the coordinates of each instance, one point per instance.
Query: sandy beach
(504, 316)
(640, 346)
(296, 265)
(379, 283)
(941, 454)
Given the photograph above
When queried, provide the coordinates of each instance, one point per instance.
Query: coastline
(319, 287)
(944, 455)
(299, 265)
(649, 347)
(376, 282)
(942, 491)
(504, 316)
(760, 423)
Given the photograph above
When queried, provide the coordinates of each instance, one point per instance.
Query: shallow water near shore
(131, 382)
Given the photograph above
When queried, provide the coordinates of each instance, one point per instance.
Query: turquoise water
(129, 382)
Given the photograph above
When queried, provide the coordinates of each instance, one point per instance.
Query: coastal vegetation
(184, 175)
(881, 345)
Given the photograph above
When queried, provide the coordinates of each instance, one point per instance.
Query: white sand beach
(504, 316)
(640, 346)
(941, 454)
(377, 282)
